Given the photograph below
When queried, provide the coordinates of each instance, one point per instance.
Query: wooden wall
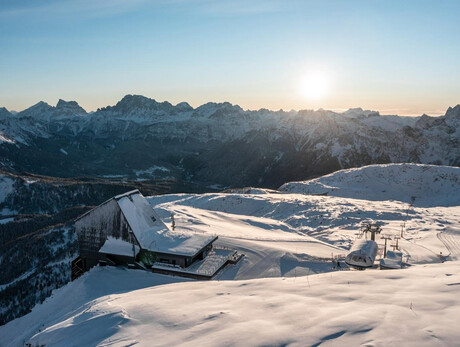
(94, 227)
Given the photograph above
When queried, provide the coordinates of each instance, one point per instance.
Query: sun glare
(314, 85)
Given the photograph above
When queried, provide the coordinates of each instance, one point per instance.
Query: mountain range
(216, 145)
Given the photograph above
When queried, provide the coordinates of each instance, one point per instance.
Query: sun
(315, 85)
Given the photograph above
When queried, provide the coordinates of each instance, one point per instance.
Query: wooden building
(126, 230)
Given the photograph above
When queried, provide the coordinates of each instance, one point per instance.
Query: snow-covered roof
(393, 260)
(131, 192)
(118, 247)
(152, 233)
(364, 247)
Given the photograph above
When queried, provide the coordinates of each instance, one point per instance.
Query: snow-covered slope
(115, 307)
(426, 185)
(285, 291)
(269, 227)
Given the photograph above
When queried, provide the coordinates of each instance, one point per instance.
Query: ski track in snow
(451, 239)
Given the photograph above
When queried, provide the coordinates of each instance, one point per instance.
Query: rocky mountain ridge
(217, 144)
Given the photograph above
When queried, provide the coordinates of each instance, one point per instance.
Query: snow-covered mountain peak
(45, 112)
(138, 107)
(425, 121)
(4, 113)
(136, 100)
(318, 116)
(184, 107)
(39, 106)
(139, 102)
(358, 112)
(442, 126)
(453, 113)
(69, 108)
(39, 110)
(217, 110)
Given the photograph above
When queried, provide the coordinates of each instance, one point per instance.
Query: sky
(397, 57)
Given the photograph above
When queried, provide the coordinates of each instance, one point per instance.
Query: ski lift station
(362, 253)
(393, 260)
(126, 230)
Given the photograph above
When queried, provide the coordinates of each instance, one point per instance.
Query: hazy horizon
(390, 56)
(339, 110)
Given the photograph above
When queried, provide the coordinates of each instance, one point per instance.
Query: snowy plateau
(286, 291)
